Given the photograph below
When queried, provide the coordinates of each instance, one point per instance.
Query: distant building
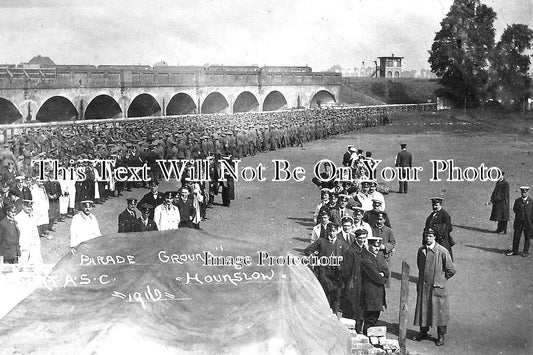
(349, 72)
(390, 67)
(428, 74)
(409, 74)
(39, 62)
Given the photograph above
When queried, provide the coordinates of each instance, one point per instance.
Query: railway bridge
(81, 92)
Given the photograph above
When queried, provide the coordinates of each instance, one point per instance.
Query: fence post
(404, 297)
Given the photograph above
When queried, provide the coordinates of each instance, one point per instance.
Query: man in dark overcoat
(228, 186)
(388, 243)
(404, 160)
(351, 277)
(435, 267)
(500, 205)
(127, 220)
(213, 183)
(8, 171)
(153, 198)
(523, 221)
(9, 236)
(145, 223)
(329, 276)
(4, 199)
(184, 202)
(374, 277)
(347, 157)
(20, 189)
(371, 216)
(53, 191)
(440, 221)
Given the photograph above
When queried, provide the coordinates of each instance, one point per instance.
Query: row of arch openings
(58, 108)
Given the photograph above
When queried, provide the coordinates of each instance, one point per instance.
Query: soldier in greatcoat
(435, 267)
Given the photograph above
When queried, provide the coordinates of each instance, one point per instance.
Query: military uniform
(441, 222)
(127, 220)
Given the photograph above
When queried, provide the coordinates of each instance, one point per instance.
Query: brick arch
(144, 105)
(274, 101)
(181, 104)
(9, 113)
(215, 102)
(246, 102)
(102, 106)
(321, 97)
(57, 108)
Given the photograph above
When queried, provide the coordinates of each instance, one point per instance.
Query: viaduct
(77, 92)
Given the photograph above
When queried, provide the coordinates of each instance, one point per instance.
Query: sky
(231, 32)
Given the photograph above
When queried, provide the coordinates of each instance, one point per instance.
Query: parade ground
(491, 304)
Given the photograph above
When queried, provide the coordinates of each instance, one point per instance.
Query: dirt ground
(491, 297)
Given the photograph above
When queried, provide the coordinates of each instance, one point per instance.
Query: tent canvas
(155, 291)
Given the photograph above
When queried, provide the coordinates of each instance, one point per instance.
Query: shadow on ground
(475, 229)
(306, 222)
(490, 250)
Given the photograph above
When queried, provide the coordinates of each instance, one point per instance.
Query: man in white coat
(84, 226)
(364, 197)
(30, 241)
(41, 204)
(167, 215)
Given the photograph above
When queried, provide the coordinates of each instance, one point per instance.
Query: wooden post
(404, 296)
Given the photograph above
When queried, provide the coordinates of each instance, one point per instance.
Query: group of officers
(348, 226)
(160, 211)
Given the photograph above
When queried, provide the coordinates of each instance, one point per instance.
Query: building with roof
(390, 67)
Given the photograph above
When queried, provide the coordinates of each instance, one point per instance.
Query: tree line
(472, 67)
